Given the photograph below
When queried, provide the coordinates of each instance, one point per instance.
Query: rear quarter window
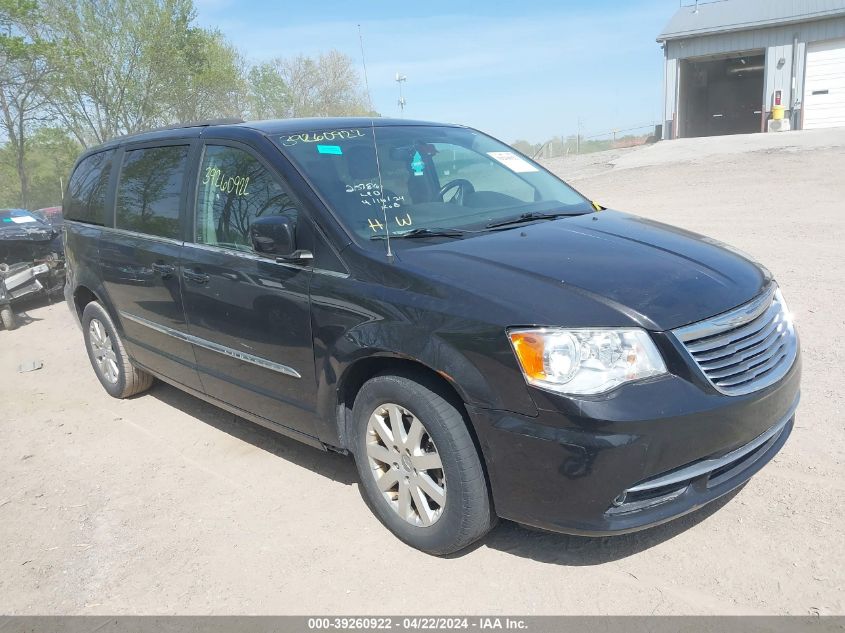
(86, 191)
(149, 191)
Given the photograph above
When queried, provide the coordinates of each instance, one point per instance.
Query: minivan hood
(598, 269)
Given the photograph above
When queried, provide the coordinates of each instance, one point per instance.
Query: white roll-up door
(824, 85)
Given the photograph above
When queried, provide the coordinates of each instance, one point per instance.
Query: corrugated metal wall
(776, 42)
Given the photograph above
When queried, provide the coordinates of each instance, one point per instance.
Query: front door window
(235, 189)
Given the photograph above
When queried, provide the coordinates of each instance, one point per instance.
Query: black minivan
(482, 338)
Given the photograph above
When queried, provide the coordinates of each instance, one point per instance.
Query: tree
(123, 66)
(23, 70)
(525, 147)
(303, 86)
(50, 153)
(211, 85)
(326, 86)
(50, 156)
(267, 94)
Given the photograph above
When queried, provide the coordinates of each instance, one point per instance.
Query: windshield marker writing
(318, 137)
(216, 179)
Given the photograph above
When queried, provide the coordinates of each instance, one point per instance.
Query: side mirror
(273, 236)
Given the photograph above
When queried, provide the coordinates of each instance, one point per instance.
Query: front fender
(410, 342)
(474, 360)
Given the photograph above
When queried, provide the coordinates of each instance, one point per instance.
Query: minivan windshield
(426, 181)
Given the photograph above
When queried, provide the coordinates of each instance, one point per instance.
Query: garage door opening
(721, 96)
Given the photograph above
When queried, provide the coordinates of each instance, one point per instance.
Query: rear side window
(86, 191)
(234, 190)
(149, 191)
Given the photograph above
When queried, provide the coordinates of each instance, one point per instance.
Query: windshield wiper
(530, 217)
(422, 232)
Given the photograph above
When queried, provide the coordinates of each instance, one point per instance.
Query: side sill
(255, 419)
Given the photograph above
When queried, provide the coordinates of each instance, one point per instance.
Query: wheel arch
(84, 293)
(359, 372)
(82, 296)
(364, 369)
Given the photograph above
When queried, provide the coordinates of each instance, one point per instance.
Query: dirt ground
(164, 504)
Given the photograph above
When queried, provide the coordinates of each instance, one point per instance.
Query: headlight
(581, 362)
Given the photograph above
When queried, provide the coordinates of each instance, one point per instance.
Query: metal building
(730, 62)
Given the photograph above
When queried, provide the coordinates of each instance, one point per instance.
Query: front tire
(108, 357)
(420, 471)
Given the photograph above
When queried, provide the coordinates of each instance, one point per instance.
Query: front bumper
(641, 456)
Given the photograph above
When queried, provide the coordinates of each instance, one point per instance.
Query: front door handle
(165, 270)
(197, 278)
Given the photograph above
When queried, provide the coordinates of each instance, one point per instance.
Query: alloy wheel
(104, 356)
(406, 465)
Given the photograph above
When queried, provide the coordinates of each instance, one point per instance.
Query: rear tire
(8, 318)
(119, 377)
(425, 482)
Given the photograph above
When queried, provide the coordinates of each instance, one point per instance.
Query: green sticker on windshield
(417, 164)
(330, 149)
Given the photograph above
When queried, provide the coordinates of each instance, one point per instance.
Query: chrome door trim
(262, 258)
(144, 236)
(214, 347)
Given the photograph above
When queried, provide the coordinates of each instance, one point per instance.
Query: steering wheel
(462, 187)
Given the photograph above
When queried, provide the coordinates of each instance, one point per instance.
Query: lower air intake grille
(746, 349)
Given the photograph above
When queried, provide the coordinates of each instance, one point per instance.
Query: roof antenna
(364, 64)
(381, 194)
(375, 149)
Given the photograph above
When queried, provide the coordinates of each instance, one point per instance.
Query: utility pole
(400, 79)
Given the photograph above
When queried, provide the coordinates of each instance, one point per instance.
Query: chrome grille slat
(745, 349)
(758, 370)
(740, 367)
(735, 335)
(742, 346)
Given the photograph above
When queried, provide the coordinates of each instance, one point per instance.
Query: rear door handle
(165, 270)
(197, 278)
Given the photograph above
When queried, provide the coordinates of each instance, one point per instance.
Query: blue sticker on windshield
(330, 149)
(417, 164)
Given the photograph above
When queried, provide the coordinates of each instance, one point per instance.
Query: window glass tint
(234, 190)
(86, 191)
(150, 188)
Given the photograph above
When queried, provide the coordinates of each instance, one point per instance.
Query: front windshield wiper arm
(530, 217)
(422, 232)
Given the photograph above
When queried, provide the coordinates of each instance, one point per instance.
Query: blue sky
(525, 69)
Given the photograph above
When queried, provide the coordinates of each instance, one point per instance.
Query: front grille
(746, 349)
